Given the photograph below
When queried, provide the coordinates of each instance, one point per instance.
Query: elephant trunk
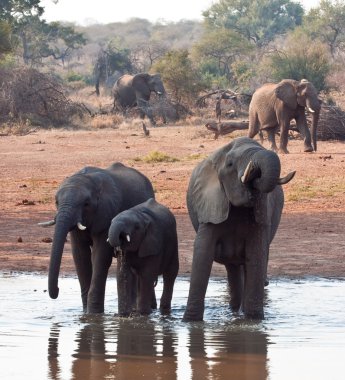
(267, 170)
(62, 228)
(314, 106)
(313, 128)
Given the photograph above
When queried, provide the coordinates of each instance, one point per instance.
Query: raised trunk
(60, 234)
(267, 164)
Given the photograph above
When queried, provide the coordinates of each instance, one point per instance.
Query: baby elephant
(145, 244)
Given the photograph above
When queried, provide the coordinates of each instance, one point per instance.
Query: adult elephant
(273, 106)
(145, 242)
(235, 202)
(135, 90)
(86, 203)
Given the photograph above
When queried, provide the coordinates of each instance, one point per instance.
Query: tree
(179, 76)
(259, 21)
(109, 60)
(5, 38)
(37, 38)
(301, 58)
(327, 23)
(222, 47)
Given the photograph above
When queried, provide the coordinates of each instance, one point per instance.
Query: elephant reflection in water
(120, 351)
(217, 354)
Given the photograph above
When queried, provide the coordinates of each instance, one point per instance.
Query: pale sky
(86, 12)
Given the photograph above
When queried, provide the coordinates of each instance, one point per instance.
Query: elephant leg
(255, 272)
(101, 261)
(145, 109)
(168, 288)
(235, 280)
(302, 126)
(203, 256)
(81, 252)
(284, 136)
(153, 300)
(271, 135)
(146, 291)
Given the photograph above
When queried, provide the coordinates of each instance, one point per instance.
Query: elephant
(135, 90)
(145, 243)
(273, 106)
(234, 200)
(86, 203)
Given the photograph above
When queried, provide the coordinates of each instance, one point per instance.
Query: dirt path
(310, 240)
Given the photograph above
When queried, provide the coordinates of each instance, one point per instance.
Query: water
(302, 336)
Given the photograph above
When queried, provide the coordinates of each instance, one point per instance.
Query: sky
(84, 12)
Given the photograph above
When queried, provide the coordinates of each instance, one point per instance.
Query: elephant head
(238, 175)
(130, 232)
(303, 94)
(143, 84)
(82, 204)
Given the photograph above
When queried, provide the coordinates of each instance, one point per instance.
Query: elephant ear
(286, 92)
(138, 79)
(151, 243)
(207, 195)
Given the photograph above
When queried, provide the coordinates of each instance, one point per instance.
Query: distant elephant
(235, 201)
(86, 203)
(145, 242)
(135, 90)
(273, 106)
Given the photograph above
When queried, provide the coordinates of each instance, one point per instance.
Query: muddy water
(302, 337)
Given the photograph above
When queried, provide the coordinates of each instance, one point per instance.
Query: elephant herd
(234, 199)
(272, 108)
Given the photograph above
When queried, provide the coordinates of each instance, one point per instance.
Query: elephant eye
(230, 164)
(136, 226)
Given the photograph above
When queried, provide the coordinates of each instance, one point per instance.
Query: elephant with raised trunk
(145, 242)
(273, 106)
(235, 201)
(86, 203)
(135, 91)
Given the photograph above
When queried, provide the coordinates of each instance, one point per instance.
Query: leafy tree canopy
(259, 21)
(327, 22)
(301, 58)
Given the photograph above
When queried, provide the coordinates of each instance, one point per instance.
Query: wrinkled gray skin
(145, 243)
(235, 210)
(273, 106)
(135, 90)
(92, 197)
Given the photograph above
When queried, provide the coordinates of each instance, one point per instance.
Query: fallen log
(220, 129)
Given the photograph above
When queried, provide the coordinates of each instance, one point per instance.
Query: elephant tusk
(311, 110)
(247, 172)
(128, 238)
(47, 224)
(81, 227)
(108, 240)
(286, 179)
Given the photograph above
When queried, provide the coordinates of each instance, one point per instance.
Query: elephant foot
(308, 149)
(165, 310)
(254, 314)
(283, 151)
(192, 316)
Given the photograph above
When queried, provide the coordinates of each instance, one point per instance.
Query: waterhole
(302, 336)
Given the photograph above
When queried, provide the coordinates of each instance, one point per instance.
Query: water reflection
(139, 347)
(302, 336)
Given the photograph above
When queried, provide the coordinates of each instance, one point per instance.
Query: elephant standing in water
(235, 202)
(135, 90)
(86, 203)
(145, 242)
(273, 106)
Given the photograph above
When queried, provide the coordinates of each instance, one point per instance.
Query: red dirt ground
(310, 239)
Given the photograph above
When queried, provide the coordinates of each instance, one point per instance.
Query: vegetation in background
(240, 45)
